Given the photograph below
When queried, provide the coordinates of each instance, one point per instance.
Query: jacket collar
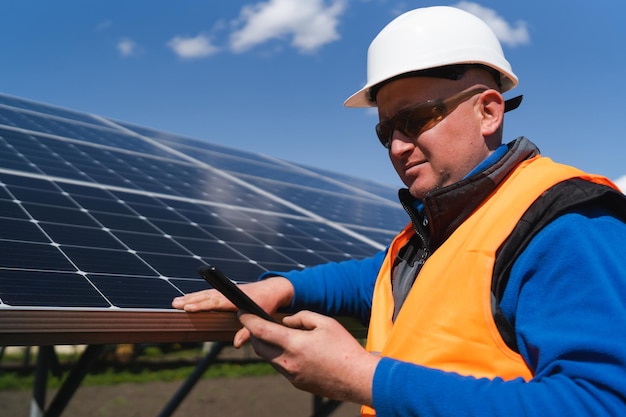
(446, 208)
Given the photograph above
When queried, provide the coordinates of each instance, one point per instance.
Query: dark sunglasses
(413, 121)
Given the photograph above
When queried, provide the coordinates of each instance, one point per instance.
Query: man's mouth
(413, 165)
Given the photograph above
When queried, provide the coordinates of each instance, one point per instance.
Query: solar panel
(102, 223)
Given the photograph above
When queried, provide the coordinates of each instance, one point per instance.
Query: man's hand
(270, 294)
(316, 354)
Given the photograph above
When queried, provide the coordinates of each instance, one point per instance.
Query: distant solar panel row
(99, 214)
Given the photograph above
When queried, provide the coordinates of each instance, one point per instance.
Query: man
(504, 296)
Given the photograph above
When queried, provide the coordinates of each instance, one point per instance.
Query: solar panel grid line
(24, 112)
(337, 192)
(208, 235)
(76, 269)
(330, 193)
(387, 191)
(256, 165)
(348, 187)
(368, 229)
(338, 208)
(194, 147)
(340, 190)
(271, 196)
(267, 246)
(280, 170)
(95, 219)
(82, 142)
(170, 139)
(56, 245)
(142, 192)
(46, 123)
(392, 203)
(65, 249)
(110, 174)
(41, 108)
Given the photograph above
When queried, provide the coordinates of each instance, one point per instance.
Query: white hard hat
(428, 38)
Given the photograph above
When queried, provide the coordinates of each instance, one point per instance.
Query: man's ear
(491, 112)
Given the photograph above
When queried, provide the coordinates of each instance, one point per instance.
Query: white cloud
(104, 25)
(127, 47)
(508, 34)
(190, 48)
(621, 183)
(308, 23)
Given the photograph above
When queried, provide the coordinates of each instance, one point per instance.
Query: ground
(257, 396)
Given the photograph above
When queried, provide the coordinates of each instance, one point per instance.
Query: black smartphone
(223, 284)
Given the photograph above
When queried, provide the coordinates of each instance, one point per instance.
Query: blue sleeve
(336, 288)
(567, 299)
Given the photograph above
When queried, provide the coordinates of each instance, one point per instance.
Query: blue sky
(271, 76)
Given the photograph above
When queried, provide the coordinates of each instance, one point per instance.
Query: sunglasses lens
(414, 126)
(383, 131)
(408, 127)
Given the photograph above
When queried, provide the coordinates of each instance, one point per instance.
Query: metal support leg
(324, 407)
(38, 402)
(73, 380)
(192, 379)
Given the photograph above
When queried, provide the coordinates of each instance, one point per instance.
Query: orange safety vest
(446, 321)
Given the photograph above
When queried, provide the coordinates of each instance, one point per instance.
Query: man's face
(443, 154)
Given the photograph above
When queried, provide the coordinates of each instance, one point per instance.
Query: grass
(151, 364)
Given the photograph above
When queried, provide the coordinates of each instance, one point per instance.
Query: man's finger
(305, 320)
(263, 329)
(242, 336)
(203, 300)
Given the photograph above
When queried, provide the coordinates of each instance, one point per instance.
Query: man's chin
(417, 193)
(421, 190)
